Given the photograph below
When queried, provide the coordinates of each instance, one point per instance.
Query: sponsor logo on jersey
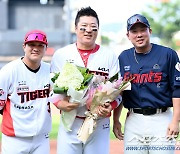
(178, 66)
(145, 77)
(23, 107)
(103, 69)
(1, 92)
(47, 86)
(22, 88)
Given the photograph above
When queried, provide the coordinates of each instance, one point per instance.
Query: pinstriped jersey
(102, 62)
(154, 77)
(24, 97)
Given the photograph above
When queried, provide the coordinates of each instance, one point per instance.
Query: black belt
(81, 117)
(148, 111)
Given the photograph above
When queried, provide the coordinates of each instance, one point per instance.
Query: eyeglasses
(36, 37)
(92, 29)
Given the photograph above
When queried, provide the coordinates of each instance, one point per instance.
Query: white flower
(69, 77)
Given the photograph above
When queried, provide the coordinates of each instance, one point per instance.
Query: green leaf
(55, 77)
(59, 90)
(115, 77)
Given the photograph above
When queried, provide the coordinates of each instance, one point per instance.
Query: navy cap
(137, 18)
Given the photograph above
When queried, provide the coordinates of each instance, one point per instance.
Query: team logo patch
(127, 68)
(1, 92)
(178, 66)
(177, 78)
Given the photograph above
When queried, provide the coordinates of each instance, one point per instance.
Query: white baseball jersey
(102, 62)
(24, 97)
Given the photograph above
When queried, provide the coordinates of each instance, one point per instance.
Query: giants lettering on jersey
(32, 95)
(143, 78)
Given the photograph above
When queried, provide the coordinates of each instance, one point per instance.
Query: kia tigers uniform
(102, 62)
(24, 100)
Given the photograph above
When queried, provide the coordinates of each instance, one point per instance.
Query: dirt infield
(116, 147)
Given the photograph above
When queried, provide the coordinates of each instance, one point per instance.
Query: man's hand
(116, 124)
(117, 130)
(104, 110)
(173, 130)
(66, 106)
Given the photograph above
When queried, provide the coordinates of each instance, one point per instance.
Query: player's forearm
(117, 112)
(176, 110)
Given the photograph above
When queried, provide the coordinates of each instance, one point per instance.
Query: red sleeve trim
(56, 103)
(114, 104)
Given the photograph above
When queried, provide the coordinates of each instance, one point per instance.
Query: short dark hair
(88, 11)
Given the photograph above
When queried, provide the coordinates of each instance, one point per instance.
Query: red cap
(36, 35)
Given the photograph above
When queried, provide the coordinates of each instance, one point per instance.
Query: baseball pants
(147, 134)
(25, 145)
(98, 142)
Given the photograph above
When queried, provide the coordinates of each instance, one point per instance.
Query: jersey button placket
(140, 69)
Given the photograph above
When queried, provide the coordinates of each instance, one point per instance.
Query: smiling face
(34, 51)
(139, 35)
(86, 31)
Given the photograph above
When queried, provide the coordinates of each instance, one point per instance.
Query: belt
(148, 111)
(81, 117)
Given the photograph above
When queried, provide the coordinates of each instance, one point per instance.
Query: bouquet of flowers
(99, 94)
(72, 81)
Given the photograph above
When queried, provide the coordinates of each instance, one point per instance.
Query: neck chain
(142, 53)
(135, 57)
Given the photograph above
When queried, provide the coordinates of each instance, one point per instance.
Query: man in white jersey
(24, 91)
(86, 53)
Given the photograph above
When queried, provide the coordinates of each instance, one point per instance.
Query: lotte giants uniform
(154, 85)
(100, 62)
(23, 95)
(154, 77)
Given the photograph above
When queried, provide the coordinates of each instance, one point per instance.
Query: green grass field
(55, 125)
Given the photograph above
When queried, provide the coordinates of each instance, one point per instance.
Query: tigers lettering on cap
(137, 18)
(36, 35)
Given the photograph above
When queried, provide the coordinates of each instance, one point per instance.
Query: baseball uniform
(101, 62)
(24, 98)
(154, 77)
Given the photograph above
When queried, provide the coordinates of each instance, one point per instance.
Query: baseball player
(24, 91)
(151, 127)
(86, 53)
